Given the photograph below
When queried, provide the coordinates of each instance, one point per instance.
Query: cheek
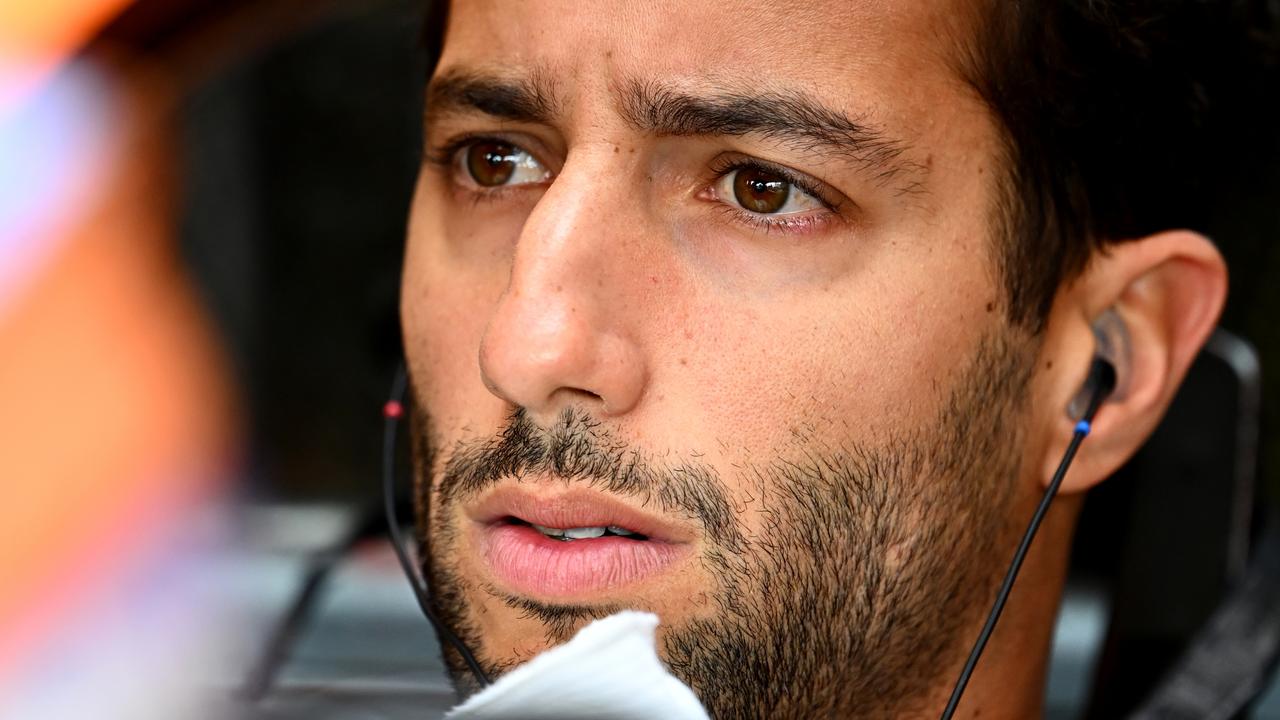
(453, 278)
(835, 365)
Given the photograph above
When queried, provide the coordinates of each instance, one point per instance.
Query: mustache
(579, 449)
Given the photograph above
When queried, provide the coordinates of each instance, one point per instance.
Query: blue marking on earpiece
(1083, 427)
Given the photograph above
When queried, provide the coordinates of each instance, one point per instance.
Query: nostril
(572, 396)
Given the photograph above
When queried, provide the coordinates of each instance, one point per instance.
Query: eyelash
(444, 156)
(787, 223)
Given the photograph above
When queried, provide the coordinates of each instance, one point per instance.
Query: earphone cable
(1103, 380)
(391, 421)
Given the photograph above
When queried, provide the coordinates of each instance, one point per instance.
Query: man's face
(715, 279)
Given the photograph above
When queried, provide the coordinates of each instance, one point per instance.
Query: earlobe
(1167, 290)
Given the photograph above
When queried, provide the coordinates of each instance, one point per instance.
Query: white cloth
(609, 671)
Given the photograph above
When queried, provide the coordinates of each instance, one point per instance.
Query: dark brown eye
(491, 164)
(760, 191)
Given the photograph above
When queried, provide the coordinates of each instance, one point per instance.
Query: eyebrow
(524, 99)
(792, 117)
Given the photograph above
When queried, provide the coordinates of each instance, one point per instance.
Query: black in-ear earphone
(1099, 385)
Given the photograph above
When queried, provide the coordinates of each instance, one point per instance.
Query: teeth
(582, 533)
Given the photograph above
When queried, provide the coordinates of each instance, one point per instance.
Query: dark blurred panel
(1165, 536)
(299, 165)
(1169, 534)
(1243, 198)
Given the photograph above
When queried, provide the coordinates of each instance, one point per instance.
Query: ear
(1169, 290)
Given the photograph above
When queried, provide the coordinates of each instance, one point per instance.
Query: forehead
(892, 65)
(833, 47)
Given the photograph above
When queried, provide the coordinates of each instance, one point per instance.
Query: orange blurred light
(117, 410)
(40, 32)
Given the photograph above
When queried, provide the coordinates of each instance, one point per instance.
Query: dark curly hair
(1115, 116)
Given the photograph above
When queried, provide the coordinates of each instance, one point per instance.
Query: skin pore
(732, 265)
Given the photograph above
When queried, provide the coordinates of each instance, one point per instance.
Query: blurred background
(202, 213)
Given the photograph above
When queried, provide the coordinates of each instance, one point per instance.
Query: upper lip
(557, 506)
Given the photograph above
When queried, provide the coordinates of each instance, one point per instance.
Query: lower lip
(529, 562)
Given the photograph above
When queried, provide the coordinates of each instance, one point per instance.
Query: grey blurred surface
(369, 653)
(1269, 704)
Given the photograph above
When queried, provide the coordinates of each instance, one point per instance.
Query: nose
(559, 334)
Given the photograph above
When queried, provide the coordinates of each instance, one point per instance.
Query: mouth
(562, 544)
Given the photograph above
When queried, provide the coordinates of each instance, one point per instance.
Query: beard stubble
(876, 555)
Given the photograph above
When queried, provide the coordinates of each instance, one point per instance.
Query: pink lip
(528, 562)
